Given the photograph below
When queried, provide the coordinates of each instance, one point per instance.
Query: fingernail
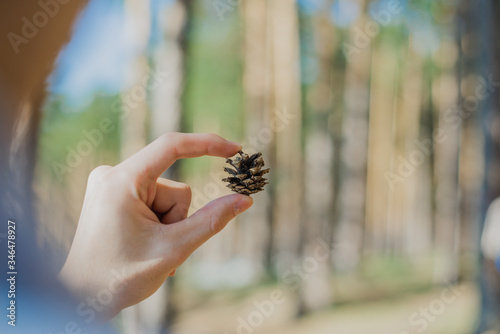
(243, 204)
(235, 144)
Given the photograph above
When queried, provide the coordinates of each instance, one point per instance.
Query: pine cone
(246, 178)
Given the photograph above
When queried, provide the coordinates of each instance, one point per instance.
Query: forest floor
(444, 310)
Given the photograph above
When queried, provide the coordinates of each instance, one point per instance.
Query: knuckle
(99, 178)
(168, 137)
(147, 171)
(169, 141)
(99, 173)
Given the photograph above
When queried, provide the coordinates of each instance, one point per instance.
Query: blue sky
(99, 53)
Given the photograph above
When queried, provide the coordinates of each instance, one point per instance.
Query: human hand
(135, 223)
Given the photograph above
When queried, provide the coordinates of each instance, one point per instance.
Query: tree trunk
(417, 207)
(488, 14)
(134, 112)
(315, 291)
(286, 101)
(258, 224)
(351, 213)
(447, 157)
(382, 155)
(471, 159)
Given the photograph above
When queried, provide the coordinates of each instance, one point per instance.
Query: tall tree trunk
(286, 101)
(447, 158)
(258, 108)
(134, 113)
(315, 291)
(417, 208)
(351, 213)
(381, 151)
(471, 159)
(488, 14)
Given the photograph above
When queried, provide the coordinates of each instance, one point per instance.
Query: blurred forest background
(379, 120)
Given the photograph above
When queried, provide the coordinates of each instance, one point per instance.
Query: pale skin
(135, 223)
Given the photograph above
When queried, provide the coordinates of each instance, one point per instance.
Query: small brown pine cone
(247, 176)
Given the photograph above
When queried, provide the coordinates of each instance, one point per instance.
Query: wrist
(90, 293)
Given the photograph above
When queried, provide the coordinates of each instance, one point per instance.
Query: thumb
(195, 230)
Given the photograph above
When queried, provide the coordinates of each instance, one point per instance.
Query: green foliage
(62, 129)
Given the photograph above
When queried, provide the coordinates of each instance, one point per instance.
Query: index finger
(155, 158)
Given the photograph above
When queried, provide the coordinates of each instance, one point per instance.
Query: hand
(133, 231)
